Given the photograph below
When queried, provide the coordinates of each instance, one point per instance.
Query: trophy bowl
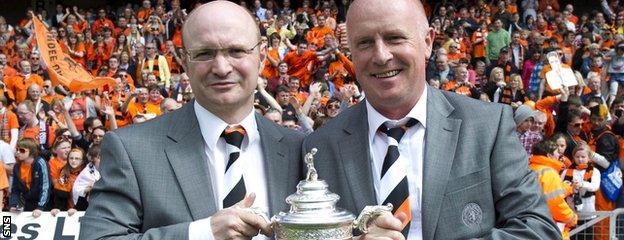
(313, 214)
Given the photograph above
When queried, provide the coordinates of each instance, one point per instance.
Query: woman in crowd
(30, 190)
(63, 200)
(85, 180)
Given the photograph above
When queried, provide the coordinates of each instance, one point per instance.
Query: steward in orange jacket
(545, 163)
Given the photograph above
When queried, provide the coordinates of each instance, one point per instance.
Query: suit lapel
(441, 137)
(185, 152)
(277, 167)
(355, 155)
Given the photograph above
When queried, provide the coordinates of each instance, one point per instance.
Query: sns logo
(6, 226)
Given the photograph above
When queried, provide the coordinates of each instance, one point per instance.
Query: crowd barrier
(24, 226)
(606, 225)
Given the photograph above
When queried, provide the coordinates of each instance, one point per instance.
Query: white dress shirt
(411, 147)
(254, 172)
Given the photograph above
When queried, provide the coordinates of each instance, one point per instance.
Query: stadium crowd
(495, 51)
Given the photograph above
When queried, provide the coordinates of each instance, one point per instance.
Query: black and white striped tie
(233, 178)
(393, 182)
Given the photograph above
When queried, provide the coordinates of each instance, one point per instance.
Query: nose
(221, 66)
(381, 54)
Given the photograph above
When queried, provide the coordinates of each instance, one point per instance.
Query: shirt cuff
(200, 230)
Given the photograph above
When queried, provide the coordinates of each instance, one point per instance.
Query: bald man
(451, 166)
(197, 172)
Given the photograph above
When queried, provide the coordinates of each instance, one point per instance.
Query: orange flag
(61, 67)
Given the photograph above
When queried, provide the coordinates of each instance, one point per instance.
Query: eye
(205, 54)
(365, 43)
(395, 39)
(237, 52)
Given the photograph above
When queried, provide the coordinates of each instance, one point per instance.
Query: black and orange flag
(61, 67)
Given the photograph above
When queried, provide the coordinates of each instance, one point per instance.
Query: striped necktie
(394, 186)
(233, 178)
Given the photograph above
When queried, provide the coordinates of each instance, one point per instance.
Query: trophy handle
(369, 214)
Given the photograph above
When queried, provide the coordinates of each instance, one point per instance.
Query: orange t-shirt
(452, 86)
(340, 69)
(18, 85)
(69, 182)
(25, 174)
(33, 132)
(269, 70)
(135, 109)
(478, 49)
(55, 165)
(12, 123)
(316, 35)
(300, 66)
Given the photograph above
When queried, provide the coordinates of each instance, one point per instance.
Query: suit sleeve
(521, 210)
(115, 209)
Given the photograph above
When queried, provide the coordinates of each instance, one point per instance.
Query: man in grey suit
(168, 178)
(451, 166)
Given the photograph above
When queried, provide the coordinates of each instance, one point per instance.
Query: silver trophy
(313, 213)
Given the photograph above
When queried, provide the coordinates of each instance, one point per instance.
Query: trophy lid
(313, 203)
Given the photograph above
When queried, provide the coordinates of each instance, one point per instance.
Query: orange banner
(61, 67)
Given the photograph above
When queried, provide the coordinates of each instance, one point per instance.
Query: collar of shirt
(212, 126)
(375, 119)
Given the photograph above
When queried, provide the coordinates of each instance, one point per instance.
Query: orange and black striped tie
(393, 181)
(233, 178)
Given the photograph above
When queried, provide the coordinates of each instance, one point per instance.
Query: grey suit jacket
(155, 177)
(472, 156)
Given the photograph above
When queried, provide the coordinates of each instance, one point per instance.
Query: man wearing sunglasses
(186, 174)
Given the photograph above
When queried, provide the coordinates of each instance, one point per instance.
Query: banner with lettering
(61, 67)
(24, 226)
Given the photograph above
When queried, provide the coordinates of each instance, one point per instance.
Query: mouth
(387, 74)
(223, 85)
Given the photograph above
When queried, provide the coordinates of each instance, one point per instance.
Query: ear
(429, 42)
(186, 58)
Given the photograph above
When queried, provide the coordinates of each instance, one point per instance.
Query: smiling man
(451, 166)
(193, 173)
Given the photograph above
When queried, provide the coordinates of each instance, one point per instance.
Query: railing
(607, 225)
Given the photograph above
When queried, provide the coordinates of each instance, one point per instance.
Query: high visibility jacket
(547, 170)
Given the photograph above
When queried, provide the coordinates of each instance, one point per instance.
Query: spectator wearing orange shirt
(101, 22)
(460, 84)
(316, 35)
(454, 54)
(300, 63)
(32, 127)
(31, 180)
(9, 125)
(139, 107)
(18, 84)
(60, 151)
(99, 52)
(74, 20)
(64, 183)
(76, 49)
(7, 70)
(145, 11)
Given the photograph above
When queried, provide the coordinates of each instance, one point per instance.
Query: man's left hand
(385, 227)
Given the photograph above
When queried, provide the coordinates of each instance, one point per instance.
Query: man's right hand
(385, 226)
(238, 223)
